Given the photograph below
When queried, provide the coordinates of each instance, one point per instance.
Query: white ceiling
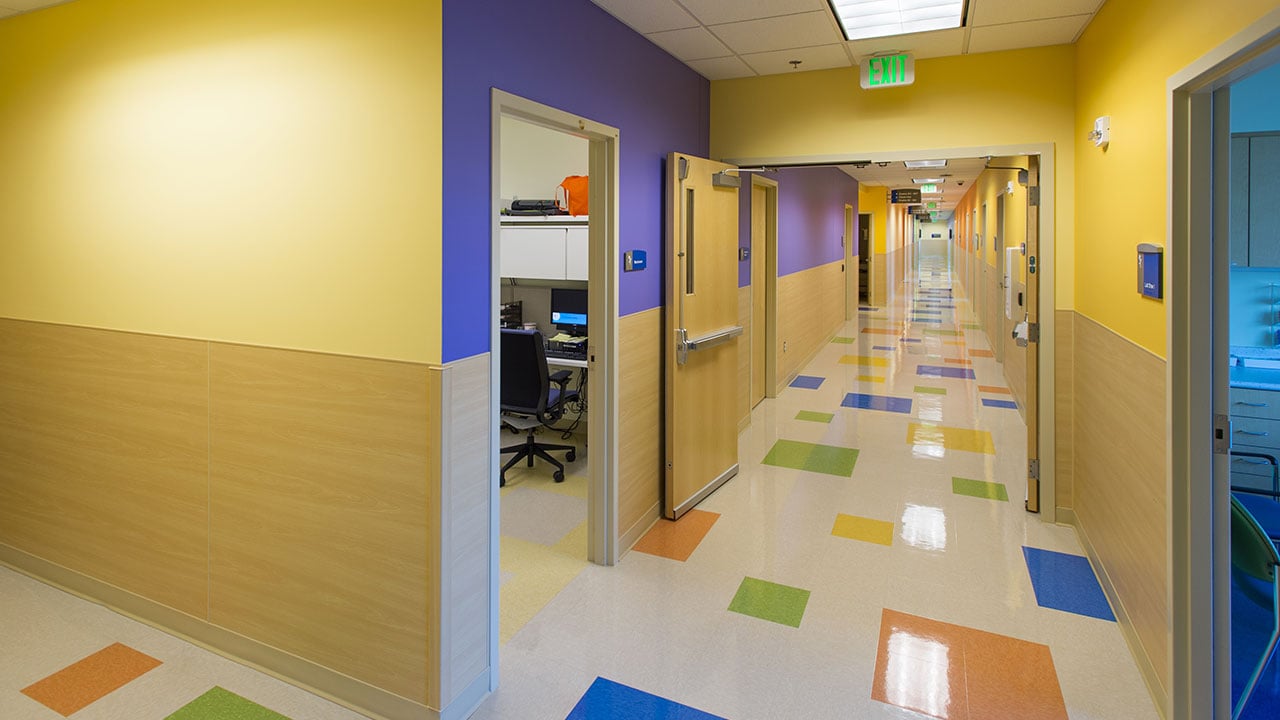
(723, 39)
(958, 177)
(15, 7)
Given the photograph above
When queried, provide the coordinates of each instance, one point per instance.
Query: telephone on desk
(567, 347)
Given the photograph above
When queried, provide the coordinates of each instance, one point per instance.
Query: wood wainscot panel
(1064, 401)
(639, 420)
(320, 538)
(104, 457)
(1120, 497)
(878, 283)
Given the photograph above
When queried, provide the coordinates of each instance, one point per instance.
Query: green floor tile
(934, 331)
(762, 599)
(972, 326)
(931, 390)
(219, 704)
(842, 340)
(812, 457)
(815, 416)
(978, 488)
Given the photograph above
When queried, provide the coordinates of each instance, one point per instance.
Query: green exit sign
(888, 71)
(927, 188)
(932, 206)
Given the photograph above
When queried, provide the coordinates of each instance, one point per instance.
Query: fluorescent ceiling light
(928, 181)
(920, 164)
(862, 19)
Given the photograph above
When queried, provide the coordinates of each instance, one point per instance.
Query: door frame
(770, 284)
(1196, 275)
(1047, 346)
(868, 258)
(850, 267)
(602, 391)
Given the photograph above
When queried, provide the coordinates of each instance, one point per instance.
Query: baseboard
(316, 679)
(637, 531)
(744, 423)
(1145, 667)
(813, 354)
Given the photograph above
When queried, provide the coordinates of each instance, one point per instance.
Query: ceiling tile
(690, 43)
(1034, 33)
(813, 58)
(715, 12)
(649, 16)
(940, 43)
(999, 12)
(780, 33)
(724, 68)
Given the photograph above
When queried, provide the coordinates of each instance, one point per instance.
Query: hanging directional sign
(905, 195)
(888, 71)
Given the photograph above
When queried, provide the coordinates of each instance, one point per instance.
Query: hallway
(882, 566)
(871, 560)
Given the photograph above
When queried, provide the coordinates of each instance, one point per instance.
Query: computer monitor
(569, 310)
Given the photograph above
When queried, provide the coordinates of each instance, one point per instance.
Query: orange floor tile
(958, 361)
(89, 680)
(677, 540)
(982, 353)
(994, 389)
(956, 673)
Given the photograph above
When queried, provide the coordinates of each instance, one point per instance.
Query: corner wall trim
(316, 679)
(637, 531)
(469, 699)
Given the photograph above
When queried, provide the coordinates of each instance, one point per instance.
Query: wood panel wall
(639, 420)
(810, 309)
(1064, 406)
(1120, 494)
(1015, 357)
(280, 496)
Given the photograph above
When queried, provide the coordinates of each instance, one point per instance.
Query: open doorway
(555, 275)
(1220, 326)
(863, 252)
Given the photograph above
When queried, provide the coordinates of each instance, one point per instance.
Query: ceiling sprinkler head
(795, 64)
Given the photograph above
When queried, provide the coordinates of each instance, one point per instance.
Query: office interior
(215, 225)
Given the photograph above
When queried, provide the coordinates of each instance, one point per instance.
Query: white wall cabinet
(541, 251)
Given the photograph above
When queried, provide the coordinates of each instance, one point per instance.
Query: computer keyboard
(567, 354)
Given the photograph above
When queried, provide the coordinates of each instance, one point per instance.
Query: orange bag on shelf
(571, 196)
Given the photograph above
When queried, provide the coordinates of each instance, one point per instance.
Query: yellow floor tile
(927, 436)
(864, 529)
(864, 360)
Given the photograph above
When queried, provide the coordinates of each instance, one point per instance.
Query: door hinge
(1033, 469)
(1033, 196)
(1221, 435)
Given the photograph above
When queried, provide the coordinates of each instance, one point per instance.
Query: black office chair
(528, 401)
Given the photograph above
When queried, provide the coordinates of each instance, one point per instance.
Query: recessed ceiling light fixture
(921, 164)
(928, 181)
(862, 19)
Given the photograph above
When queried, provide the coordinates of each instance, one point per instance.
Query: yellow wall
(1124, 61)
(985, 189)
(257, 171)
(1020, 96)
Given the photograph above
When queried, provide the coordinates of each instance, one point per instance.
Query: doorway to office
(1204, 416)
(762, 295)
(564, 271)
(863, 252)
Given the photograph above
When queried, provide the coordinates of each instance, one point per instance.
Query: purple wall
(571, 55)
(810, 218)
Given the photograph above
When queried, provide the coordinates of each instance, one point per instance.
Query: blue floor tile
(947, 372)
(608, 700)
(883, 347)
(916, 318)
(991, 402)
(910, 340)
(917, 311)
(808, 382)
(877, 402)
(868, 309)
(1066, 582)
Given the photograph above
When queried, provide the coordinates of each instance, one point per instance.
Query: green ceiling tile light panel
(770, 601)
(813, 416)
(979, 489)
(812, 457)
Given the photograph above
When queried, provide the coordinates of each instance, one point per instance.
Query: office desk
(566, 362)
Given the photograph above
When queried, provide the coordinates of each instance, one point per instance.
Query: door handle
(1252, 434)
(684, 345)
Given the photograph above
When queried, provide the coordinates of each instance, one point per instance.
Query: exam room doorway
(535, 240)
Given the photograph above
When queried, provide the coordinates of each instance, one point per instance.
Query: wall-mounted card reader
(1151, 271)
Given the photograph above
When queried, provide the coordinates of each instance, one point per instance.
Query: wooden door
(759, 327)
(1035, 266)
(864, 257)
(701, 321)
